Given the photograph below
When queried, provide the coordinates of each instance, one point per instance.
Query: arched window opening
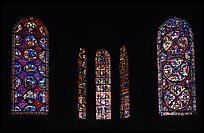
(103, 85)
(176, 68)
(30, 68)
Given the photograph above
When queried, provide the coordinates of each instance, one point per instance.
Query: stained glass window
(176, 68)
(124, 84)
(82, 67)
(30, 55)
(103, 85)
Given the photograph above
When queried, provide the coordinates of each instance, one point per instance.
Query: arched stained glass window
(124, 84)
(82, 85)
(176, 68)
(103, 85)
(30, 56)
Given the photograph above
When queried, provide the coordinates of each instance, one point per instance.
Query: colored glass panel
(103, 85)
(82, 86)
(30, 56)
(176, 68)
(124, 84)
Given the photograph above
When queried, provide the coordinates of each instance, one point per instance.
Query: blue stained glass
(30, 72)
(102, 79)
(176, 70)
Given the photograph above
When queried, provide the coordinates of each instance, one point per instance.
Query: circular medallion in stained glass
(177, 97)
(173, 43)
(30, 27)
(30, 41)
(176, 69)
(30, 54)
(30, 82)
(30, 97)
(30, 69)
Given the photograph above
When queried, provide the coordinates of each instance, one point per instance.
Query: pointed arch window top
(176, 68)
(103, 54)
(30, 58)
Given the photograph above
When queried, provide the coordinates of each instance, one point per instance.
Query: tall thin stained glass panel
(103, 85)
(124, 84)
(176, 68)
(82, 85)
(30, 56)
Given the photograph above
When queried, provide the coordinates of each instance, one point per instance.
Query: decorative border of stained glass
(176, 68)
(82, 85)
(103, 85)
(30, 68)
(124, 84)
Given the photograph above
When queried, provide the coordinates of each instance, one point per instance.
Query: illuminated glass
(30, 68)
(176, 68)
(82, 85)
(103, 85)
(124, 84)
